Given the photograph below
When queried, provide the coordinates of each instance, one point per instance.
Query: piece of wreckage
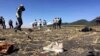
(6, 47)
(87, 29)
(54, 47)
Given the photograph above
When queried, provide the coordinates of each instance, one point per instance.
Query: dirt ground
(31, 43)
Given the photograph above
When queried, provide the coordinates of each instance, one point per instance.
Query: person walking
(21, 8)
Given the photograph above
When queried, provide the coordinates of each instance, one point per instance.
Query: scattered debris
(86, 29)
(30, 30)
(54, 47)
(1, 39)
(6, 47)
(97, 41)
(90, 53)
(27, 34)
(29, 37)
(48, 30)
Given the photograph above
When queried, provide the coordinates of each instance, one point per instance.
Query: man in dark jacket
(59, 22)
(19, 17)
(3, 22)
(10, 23)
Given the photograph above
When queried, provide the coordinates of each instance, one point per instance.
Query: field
(31, 43)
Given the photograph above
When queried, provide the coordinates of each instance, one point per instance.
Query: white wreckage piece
(48, 30)
(55, 47)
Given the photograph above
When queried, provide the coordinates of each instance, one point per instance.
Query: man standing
(55, 23)
(40, 23)
(3, 22)
(19, 17)
(10, 24)
(35, 23)
(44, 23)
(60, 22)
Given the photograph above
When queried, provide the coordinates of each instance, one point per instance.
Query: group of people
(57, 23)
(39, 24)
(2, 23)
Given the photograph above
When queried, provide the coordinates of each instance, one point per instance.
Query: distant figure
(44, 23)
(10, 24)
(35, 23)
(98, 20)
(2, 22)
(59, 22)
(19, 17)
(40, 24)
(55, 23)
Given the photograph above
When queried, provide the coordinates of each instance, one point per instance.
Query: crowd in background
(36, 24)
(57, 23)
(43, 23)
(39, 24)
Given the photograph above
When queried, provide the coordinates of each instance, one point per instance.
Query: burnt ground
(31, 43)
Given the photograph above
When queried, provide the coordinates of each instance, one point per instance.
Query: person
(35, 23)
(60, 22)
(10, 24)
(21, 8)
(55, 23)
(40, 24)
(44, 23)
(3, 22)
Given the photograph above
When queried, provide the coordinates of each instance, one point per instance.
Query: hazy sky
(68, 10)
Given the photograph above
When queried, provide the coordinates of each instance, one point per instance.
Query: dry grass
(77, 43)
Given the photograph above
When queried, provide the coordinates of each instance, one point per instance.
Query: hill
(82, 22)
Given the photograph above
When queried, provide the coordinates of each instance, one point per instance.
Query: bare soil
(31, 43)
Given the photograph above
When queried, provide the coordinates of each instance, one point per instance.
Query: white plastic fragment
(55, 47)
(48, 30)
